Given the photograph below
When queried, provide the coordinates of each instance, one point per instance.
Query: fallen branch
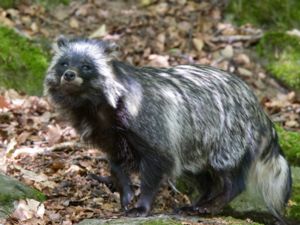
(64, 145)
(236, 38)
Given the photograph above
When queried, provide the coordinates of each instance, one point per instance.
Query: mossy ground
(293, 210)
(280, 51)
(13, 3)
(22, 63)
(167, 220)
(8, 3)
(11, 190)
(282, 54)
(278, 14)
(290, 144)
(51, 3)
(162, 222)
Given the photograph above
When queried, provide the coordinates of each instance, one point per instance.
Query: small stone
(34, 27)
(61, 13)
(242, 59)
(227, 52)
(54, 217)
(294, 32)
(161, 37)
(292, 123)
(262, 75)
(162, 8)
(184, 26)
(74, 23)
(146, 2)
(244, 72)
(291, 96)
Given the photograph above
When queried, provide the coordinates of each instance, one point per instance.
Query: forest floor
(42, 151)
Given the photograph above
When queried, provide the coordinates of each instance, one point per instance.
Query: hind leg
(207, 185)
(219, 190)
(231, 187)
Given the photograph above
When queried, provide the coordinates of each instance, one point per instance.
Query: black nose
(69, 75)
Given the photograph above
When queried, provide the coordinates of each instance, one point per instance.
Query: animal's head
(81, 72)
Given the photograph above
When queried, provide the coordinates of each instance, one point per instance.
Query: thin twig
(173, 187)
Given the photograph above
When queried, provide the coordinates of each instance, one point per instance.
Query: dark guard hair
(186, 120)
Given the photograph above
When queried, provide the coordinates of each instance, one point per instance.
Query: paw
(137, 212)
(209, 208)
(205, 210)
(187, 210)
(126, 199)
(196, 210)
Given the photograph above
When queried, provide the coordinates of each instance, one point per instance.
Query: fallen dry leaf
(100, 32)
(198, 43)
(159, 60)
(27, 209)
(54, 134)
(3, 102)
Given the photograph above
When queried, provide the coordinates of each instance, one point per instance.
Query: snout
(71, 81)
(69, 75)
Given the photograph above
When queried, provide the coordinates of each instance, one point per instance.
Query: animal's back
(212, 117)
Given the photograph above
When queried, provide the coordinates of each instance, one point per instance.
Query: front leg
(151, 172)
(123, 183)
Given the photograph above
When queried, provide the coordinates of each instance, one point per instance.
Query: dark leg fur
(208, 185)
(123, 183)
(153, 165)
(119, 181)
(232, 184)
(151, 177)
(218, 190)
(205, 185)
(215, 203)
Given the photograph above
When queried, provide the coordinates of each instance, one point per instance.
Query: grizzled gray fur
(189, 120)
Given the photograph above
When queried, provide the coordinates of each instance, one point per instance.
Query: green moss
(51, 3)
(293, 210)
(8, 3)
(290, 143)
(282, 57)
(281, 51)
(161, 222)
(11, 190)
(279, 14)
(232, 221)
(39, 196)
(22, 63)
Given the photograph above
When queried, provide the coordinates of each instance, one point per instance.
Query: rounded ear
(110, 47)
(62, 41)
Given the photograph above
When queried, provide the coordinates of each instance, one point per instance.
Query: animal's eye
(64, 64)
(86, 67)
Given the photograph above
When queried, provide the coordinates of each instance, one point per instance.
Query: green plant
(282, 14)
(22, 63)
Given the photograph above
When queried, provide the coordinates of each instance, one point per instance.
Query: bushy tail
(271, 176)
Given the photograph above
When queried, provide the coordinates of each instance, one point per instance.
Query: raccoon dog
(189, 120)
